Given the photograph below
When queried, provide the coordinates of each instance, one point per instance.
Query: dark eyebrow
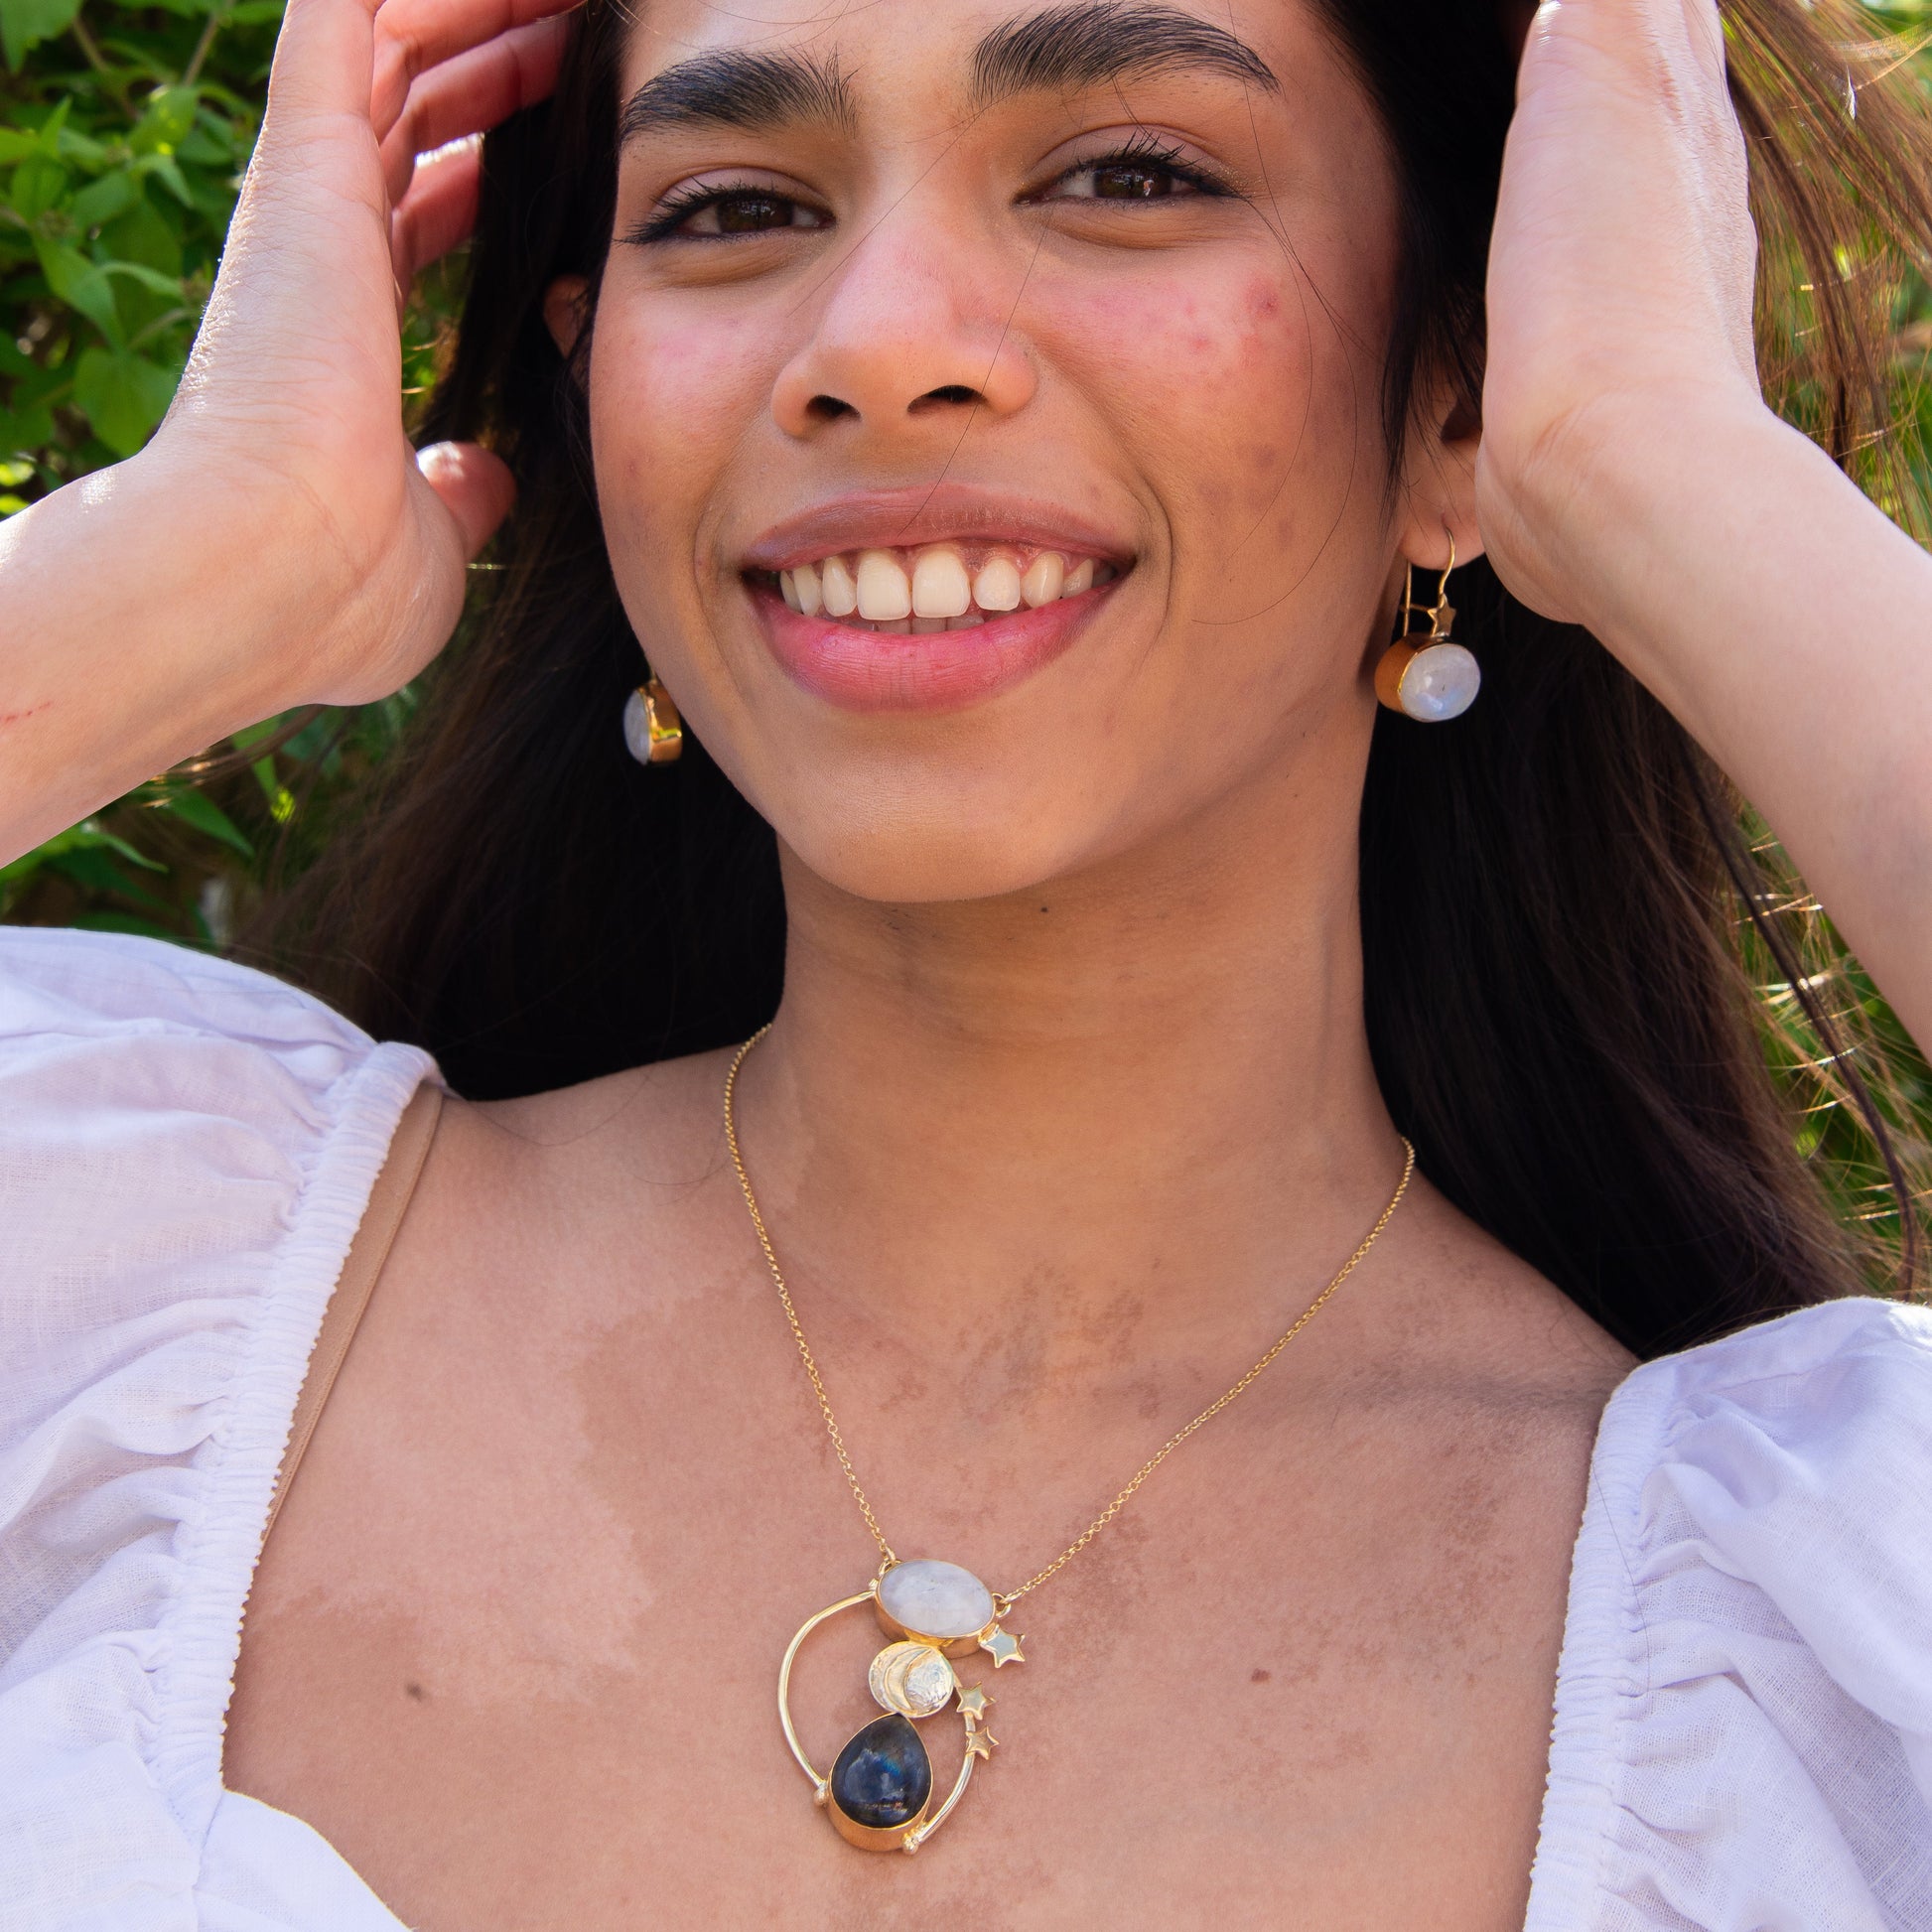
(1105, 41)
(733, 88)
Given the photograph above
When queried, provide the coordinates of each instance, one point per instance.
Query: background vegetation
(125, 129)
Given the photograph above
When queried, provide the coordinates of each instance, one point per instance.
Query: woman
(1010, 435)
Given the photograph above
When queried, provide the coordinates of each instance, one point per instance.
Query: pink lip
(941, 670)
(948, 512)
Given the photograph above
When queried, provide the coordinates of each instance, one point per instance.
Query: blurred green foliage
(124, 130)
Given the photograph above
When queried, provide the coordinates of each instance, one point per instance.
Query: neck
(1141, 1092)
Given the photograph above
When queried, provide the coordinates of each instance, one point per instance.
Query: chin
(919, 857)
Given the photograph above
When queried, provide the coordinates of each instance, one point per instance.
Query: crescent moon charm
(879, 1792)
(912, 1679)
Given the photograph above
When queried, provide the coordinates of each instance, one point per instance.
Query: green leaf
(123, 394)
(147, 278)
(89, 833)
(94, 866)
(24, 24)
(100, 200)
(26, 429)
(83, 285)
(143, 234)
(165, 168)
(37, 184)
(70, 146)
(197, 809)
(166, 119)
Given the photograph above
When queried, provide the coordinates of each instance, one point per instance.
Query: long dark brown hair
(1555, 890)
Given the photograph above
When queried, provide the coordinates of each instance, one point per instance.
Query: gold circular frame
(869, 1838)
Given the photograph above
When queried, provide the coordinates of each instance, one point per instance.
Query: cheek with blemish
(668, 407)
(1238, 393)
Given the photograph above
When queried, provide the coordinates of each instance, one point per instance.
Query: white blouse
(1743, 1736)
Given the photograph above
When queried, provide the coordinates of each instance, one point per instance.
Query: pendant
(879, 1793)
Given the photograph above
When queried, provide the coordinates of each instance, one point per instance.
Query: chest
(528, 1682)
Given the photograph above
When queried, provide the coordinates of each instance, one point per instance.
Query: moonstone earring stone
(935, 1599)
(636, 728)
(1440, 682)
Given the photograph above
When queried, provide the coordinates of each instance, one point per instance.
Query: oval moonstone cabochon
(883, 1777)
(1440, 683)
(930, 1599)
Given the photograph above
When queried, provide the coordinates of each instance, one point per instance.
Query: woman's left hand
(1632, 479)
(1620, 276)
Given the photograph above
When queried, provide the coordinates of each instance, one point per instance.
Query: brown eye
(719, 214)
(752, 213)
(1136, 176)
(1127, 183)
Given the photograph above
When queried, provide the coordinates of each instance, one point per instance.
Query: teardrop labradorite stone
(883, 1777)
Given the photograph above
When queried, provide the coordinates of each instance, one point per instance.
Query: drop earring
(1429, 677)
(653, 729)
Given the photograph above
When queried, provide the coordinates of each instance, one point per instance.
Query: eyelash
(1148, 150)
(681, 203)
(1142, 150)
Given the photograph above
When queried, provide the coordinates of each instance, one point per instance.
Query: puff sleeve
(186, 1150)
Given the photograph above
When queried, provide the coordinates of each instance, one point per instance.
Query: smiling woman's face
(986, 410)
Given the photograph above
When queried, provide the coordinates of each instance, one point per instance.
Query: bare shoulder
(1480, 1379)
(612, 1177)
(1474, 1319)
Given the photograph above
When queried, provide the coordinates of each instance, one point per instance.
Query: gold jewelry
(879, 1791)
(653, 729)
(1436, 679)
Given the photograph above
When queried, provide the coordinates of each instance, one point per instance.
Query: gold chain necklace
(879, 1792)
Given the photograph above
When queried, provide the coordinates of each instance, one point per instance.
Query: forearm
(1789, 625)
(133, 612)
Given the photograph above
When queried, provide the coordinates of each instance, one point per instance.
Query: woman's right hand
(287, 434)
(278, 542)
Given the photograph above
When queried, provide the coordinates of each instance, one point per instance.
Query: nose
(911, 326)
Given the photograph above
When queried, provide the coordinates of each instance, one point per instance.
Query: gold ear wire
(1441, 613)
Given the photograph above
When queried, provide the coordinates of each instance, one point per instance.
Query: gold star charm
(1003, 1649)
(979, 1744)
(973, 1700)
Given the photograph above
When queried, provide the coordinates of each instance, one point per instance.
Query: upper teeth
(940, 587)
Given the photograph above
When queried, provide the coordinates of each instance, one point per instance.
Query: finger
(323, 58)
(439, 210)
(1705, 30)
(469, 94)
(413, 36)
(474, 487)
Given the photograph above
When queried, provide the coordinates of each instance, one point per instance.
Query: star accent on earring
(979, 1744)
(1002, 1648)
(973, 1700)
